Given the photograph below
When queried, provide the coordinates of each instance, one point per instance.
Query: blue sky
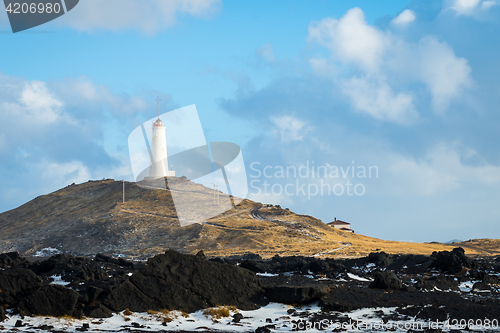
(410, 87)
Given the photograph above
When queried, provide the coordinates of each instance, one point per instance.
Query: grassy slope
(90, 218)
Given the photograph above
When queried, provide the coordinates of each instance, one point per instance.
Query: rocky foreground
(445, 285)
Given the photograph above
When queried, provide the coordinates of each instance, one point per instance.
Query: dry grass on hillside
(89, 218)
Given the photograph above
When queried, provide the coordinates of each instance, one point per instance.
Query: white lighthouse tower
(159, 161)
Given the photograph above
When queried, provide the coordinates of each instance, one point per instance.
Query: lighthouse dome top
(158, 123)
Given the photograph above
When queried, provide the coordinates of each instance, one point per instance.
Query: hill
(90, 218)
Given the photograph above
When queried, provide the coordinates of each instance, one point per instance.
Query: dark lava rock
(78, 312)
(279, 264)
(100, 311)
(289, 264)
(433, 313)
(481, 285)
(251, 256)
(189, 283)
(381, 259)
(237, 317)
(316, 266)
(425, 312)
(451, 262)
(178, 281)
(489, 279)
(442, 303)
(263, 329)
(441, 282)
(485, 277)
(257, 266)
(49, 301)
(120, 261)
(19, 323)
(295, 294)
(93, 293)
(412, 264)
(219, 260)
(71, 268)
(16, 283)
(11, 260)
(3, 315)
(385, 280)
(127, 295)
(410, 289)
(348, 299)
(45, 327)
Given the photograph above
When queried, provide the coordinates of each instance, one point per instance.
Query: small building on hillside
(342, 225)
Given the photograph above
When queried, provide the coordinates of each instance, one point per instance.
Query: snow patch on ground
(47, 252)
(266, 274)
(152, 322)
(58, 280)
(275, 314)
(358, 278)
(466, 286)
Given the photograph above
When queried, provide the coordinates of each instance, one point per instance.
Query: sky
(383, 114)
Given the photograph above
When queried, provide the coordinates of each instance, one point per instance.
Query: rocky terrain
(90, 218)
(445, 285)
(84, 257)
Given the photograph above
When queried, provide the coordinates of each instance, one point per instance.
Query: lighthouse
(159, 161)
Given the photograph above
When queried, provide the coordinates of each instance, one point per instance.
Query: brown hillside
(89, 218)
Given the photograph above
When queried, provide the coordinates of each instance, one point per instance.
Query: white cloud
(83, 91)
(385, 61)
(465, 6)
(405, 17)
(441, 170)
(45, 175)
(62, 174)
(379, 100)
(323, 67)
(488, 4)
(289, 128)
(28, 105)
(425, 176)
(40, 176)
(39, 103)
(266, 52)
(147, 16)
(468, 7)
(445, 74)
(43, 108)
(54, 134)
(350, 39)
